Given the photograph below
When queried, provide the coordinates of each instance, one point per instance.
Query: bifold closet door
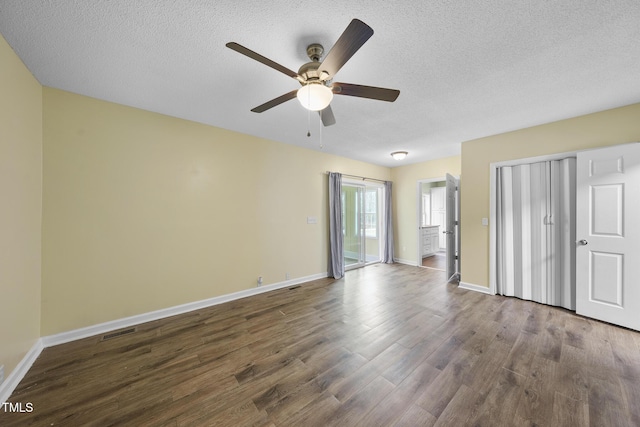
(535, 226)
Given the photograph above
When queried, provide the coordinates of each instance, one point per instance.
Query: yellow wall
(611, 127)
(405, 193)
(21, 207)
(142, 211)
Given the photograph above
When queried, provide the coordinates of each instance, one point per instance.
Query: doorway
(361, 223)
(438, 230)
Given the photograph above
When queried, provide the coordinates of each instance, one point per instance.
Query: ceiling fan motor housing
(309, 71)
(315, 51)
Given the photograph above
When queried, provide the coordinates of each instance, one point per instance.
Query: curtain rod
(360, 177)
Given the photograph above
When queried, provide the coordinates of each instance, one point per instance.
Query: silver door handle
(447, 232)
(582, 242)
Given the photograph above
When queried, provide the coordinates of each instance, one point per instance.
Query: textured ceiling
(465, 69)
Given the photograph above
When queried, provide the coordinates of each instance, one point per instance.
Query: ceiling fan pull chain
(308, 123)
(320, 130)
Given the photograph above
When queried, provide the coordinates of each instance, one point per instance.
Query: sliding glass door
(361, 223)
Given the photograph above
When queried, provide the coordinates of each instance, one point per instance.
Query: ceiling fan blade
(352, 39)
(266, 61)
(327, 116)
(371, 92)
(274, 102)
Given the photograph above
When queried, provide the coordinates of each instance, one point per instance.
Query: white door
(608, 234)
(450, 224)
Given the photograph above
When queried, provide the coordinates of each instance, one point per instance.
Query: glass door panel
(372, 208)
(361, 216)
(352, 225)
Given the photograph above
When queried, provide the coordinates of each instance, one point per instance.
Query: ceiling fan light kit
(314, 96)
(399, 155)
(316, 76)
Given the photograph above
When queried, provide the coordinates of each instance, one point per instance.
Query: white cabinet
(430, 240)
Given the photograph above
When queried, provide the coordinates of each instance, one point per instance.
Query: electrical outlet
(286, 276)
(1, 373)
(260, 281)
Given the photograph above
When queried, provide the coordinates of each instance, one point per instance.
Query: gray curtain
(336, 251)
(535, 225)
(388, 251)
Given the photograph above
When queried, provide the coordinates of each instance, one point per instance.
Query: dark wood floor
(387, 345)
(438, 261)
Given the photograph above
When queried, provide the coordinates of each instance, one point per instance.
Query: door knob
(447, 232)
(582, 242)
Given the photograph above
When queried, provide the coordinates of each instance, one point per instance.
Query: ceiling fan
(316, 77)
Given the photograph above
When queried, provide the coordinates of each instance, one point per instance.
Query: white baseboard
(11, 382)
(405, 261)
(127, 322)
(475, 288)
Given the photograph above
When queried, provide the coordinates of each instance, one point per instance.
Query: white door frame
(419, 213)
(492, 205)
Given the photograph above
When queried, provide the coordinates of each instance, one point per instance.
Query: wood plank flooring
(438, 261)
(388, 345)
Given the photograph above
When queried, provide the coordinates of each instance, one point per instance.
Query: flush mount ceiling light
(399, 155)
(314, 96)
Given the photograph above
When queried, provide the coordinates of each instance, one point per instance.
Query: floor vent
(295, 287)
(118, 334)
